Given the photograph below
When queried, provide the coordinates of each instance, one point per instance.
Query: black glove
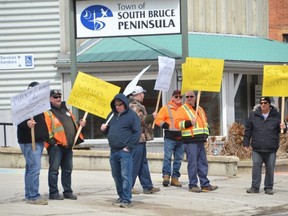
(52, 141)
(165, 125)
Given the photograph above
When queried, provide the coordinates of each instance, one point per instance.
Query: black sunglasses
(263, 103)
(189, 96)
(178, 96)
(56, 97)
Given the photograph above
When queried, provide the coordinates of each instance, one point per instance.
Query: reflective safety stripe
(196, 129)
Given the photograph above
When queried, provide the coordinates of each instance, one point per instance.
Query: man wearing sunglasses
(195, 130)
(123, 133)
(262, 133)
(172, 140)
(62, 129)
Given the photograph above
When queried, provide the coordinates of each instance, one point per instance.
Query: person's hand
(82, 122)
(154, 115)
(246, 148)
(31, 123)
(193, 121)
(282, 125)
(126, 149)
(103, 127)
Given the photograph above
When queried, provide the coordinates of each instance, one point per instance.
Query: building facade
(43, 28)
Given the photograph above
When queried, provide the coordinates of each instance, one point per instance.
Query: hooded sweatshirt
(124, 129)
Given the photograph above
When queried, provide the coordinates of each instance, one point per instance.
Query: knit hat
(265, 99)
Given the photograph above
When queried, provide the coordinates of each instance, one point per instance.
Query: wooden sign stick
(197, 103)
(79, 130)
(33, 137)
(157, 106)
(282, 112)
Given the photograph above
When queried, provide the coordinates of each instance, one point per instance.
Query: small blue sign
(28, 61)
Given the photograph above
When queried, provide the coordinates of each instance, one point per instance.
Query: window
(285, 38)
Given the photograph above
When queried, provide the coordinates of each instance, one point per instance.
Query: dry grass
(233, 145)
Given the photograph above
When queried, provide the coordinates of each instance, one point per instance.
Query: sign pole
(73, 51)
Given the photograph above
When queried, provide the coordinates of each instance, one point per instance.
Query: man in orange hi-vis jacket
(195, 130)
(172, 140)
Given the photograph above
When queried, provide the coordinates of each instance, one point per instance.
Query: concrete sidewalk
(96, 191)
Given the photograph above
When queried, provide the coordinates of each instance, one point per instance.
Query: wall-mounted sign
(16, 61)
(102, 18)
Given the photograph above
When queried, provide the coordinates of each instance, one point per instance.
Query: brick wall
(278, 19)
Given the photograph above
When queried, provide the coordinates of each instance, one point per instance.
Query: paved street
(96, 191)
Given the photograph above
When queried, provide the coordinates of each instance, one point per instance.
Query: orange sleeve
(162, 116)
(180, 118)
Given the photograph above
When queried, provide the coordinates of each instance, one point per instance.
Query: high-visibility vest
(201, 126)
(56, 129)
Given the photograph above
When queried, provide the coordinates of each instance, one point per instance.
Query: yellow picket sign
(275, 80)
(92, 95)
(202, 74)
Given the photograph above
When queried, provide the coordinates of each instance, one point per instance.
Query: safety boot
(175, 182)
(166, 180)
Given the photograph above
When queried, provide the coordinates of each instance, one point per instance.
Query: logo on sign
(94, 17)
(28, 61)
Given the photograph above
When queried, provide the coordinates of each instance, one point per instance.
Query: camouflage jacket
(146, 124)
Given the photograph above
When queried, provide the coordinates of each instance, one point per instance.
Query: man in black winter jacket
(263, 128)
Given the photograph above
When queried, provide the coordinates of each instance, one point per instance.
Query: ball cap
(176, 92)
(265, 99)
(32, 84)
(55, 92)
(138, 90)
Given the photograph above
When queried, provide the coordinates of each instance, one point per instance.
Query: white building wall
(27, 27)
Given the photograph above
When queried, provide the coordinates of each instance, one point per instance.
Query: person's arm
(136, 133)
(248, 131)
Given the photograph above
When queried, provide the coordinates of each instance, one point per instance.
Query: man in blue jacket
(123, 133)
(263, 128)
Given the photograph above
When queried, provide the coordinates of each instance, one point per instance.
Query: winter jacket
(264, 133)
(40, 129)
(146, 120)
(192, 133)
(62, 127)
(166, 119)
(124, 128)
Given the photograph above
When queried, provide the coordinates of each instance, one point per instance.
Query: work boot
(166, 180)
(151, 191)
(135, 191)
(175, 182)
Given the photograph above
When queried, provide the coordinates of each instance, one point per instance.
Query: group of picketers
(128, 127)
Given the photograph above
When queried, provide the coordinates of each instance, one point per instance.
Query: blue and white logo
(28, 60)
(92, 17)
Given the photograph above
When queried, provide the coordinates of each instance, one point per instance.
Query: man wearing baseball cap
(62, 128)
(140, 162)
(172, 140)
(262, 134)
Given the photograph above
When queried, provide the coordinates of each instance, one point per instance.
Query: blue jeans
(269, 159)
(59, 156)
(197, 164)
(140, 167)
(32, 169)
(177, 149)
(122, 168)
